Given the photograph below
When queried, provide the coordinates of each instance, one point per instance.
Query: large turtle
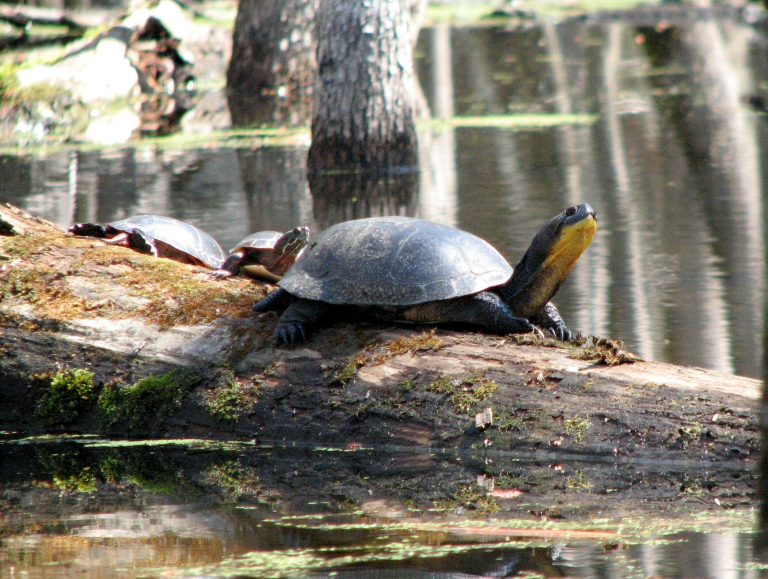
(412, 270)
(160, 236)
(265, 255)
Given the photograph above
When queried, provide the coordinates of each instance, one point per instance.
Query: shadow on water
(85, 507)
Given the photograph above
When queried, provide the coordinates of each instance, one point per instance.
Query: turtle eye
(571, 211)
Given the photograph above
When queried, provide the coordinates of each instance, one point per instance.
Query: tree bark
(363, 115)
(270, 75)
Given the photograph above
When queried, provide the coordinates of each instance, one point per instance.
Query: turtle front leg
(298, 321)
(230, 268)
(485, 309)
(549, 319)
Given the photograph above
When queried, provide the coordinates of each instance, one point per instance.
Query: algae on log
(69, 302)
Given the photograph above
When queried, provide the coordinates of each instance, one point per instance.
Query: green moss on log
(70, 391)
(147, 401)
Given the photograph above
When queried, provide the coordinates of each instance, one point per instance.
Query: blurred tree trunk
(270, 75)
(363, 117)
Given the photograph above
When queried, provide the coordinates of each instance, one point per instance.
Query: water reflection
(672, 165)
(95, 509)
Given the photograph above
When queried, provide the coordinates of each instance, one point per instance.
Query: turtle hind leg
(298, 321)
(485, 309)
(276, 301)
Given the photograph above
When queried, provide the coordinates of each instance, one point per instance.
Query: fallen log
(70, 304)
(96, 339)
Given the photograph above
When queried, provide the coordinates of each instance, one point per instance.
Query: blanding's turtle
(412, 270)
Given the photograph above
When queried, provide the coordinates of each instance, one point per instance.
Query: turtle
(265, 255)
(160, 236)
(413, 270)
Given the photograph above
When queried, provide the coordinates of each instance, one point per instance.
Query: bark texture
(363, 115)
(270, 75)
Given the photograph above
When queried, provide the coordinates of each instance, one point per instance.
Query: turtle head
(549, 259)
(288, 249)
(292, 242)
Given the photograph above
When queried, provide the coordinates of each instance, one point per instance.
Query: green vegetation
(506, 422)
(81, 482)
(690, 433)
(467, 393)
(441, 385)
(70, 391)
(517, 121)
(147, 401)
(471, 497)
(578, 482)
(234, 479)
(230, 401)
(577, 426)
(66, 468)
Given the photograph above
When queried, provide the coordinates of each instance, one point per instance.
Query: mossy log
(103, 340)
(72, 304)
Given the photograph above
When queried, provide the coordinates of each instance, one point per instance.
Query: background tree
(363, 115)
(271, 72)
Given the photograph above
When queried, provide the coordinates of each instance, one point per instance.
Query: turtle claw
(290, 334)
(221, 274)
(537, 330)
(560, 332)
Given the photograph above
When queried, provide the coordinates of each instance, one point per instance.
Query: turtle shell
(394, 261)
(259, 240)
(176, 234)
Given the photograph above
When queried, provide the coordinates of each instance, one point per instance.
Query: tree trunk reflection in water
(577, 156)
(626, 208)
(276, 188)
(730, 163)
(437, 149)
(341, 197)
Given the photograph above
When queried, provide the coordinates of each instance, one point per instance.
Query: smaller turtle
(160, 236)
(265, 255)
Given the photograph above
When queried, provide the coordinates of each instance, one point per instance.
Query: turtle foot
(290, 334)
(221, 274)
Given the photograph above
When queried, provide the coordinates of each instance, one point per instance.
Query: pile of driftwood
(165, 77)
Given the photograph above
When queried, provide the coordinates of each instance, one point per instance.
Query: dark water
(673, 164)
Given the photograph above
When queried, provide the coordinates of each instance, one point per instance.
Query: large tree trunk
(363, 115)
(269, 80)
